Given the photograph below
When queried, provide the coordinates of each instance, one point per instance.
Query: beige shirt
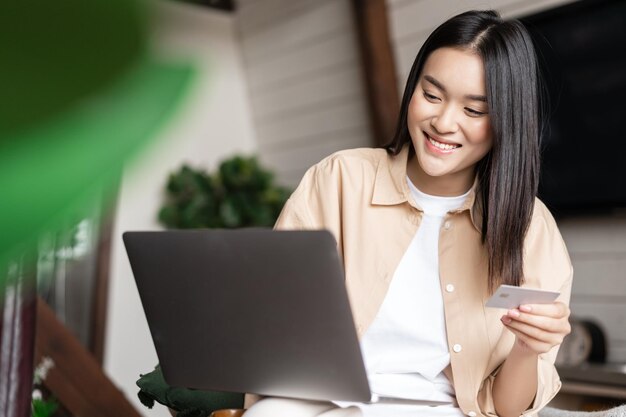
(362, 197)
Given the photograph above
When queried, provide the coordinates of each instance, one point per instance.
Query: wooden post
(103, 261)
(101, 287)
(379, 67)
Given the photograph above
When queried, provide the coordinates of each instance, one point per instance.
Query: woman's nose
(445, 121)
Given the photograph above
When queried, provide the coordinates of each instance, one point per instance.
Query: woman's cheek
(481, 131)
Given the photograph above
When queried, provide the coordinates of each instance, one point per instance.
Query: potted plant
(240, 194)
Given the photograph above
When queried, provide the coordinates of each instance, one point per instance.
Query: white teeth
(440, 145)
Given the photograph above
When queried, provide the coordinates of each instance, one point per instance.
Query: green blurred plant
(240, 194)
(44, 408)
(43, 404)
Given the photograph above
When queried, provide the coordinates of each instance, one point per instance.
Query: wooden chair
(227, 413)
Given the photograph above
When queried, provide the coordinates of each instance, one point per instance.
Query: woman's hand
(538, 327)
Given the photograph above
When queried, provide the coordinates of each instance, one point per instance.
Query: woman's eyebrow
(440, 86)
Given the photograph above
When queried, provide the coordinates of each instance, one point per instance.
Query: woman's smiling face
(448, 119)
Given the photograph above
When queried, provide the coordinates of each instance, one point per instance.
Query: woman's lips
(439, 146)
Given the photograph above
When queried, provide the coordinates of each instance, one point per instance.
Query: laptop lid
(249, 310)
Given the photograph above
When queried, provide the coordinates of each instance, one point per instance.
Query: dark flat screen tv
(582, 54)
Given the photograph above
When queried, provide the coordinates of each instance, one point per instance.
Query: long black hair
(508, 175)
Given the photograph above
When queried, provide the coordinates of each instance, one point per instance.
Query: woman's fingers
(529, 342)
(537, 333)
(556, 323)
(539, 326)
(554, 310)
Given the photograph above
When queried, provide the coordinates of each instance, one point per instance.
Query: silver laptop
(251, 310)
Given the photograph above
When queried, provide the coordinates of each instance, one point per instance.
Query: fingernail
(513, 313)
(525, 308)
(505, 319)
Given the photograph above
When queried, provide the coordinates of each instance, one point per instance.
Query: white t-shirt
(405, 349)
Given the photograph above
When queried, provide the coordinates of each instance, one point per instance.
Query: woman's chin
(433, 167)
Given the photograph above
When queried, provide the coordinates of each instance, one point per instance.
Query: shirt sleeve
(546, 263)
(295, 214)
(316, 203)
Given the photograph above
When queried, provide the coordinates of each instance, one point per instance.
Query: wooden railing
(30, 330)
(75, 378)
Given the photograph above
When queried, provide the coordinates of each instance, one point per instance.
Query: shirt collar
(391, 188)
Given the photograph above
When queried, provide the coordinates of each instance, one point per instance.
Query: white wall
(597, 244)
(306, 86)
(214, 123)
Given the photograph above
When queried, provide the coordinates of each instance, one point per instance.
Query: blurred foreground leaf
(80, 95)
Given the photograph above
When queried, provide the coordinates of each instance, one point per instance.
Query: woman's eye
(430, 96)
(474, 112)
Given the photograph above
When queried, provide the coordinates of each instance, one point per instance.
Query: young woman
(431, 225)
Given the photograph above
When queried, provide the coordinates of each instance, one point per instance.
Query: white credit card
(508, 296)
